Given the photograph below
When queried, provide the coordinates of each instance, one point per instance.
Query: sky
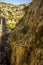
(16, 2)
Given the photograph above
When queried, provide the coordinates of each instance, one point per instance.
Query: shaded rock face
(28, 35)
(5, 48)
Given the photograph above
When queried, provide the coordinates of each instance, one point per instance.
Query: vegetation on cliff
(26, 40)
(12, 13)
(28, 35)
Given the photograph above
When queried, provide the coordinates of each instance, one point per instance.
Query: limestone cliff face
(12, 13)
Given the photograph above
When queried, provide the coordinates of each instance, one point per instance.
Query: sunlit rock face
(0, 27)
(12, 13)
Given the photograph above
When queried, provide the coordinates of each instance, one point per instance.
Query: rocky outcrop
(12, 13)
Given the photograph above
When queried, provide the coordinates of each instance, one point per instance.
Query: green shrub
(9, 12)
(11, 16)
(40, 32)
(24, 29)
(1, 11)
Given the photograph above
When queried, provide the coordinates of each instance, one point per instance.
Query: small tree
(11, 16)
(1, 11)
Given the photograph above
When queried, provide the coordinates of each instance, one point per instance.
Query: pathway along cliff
(26, 39)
